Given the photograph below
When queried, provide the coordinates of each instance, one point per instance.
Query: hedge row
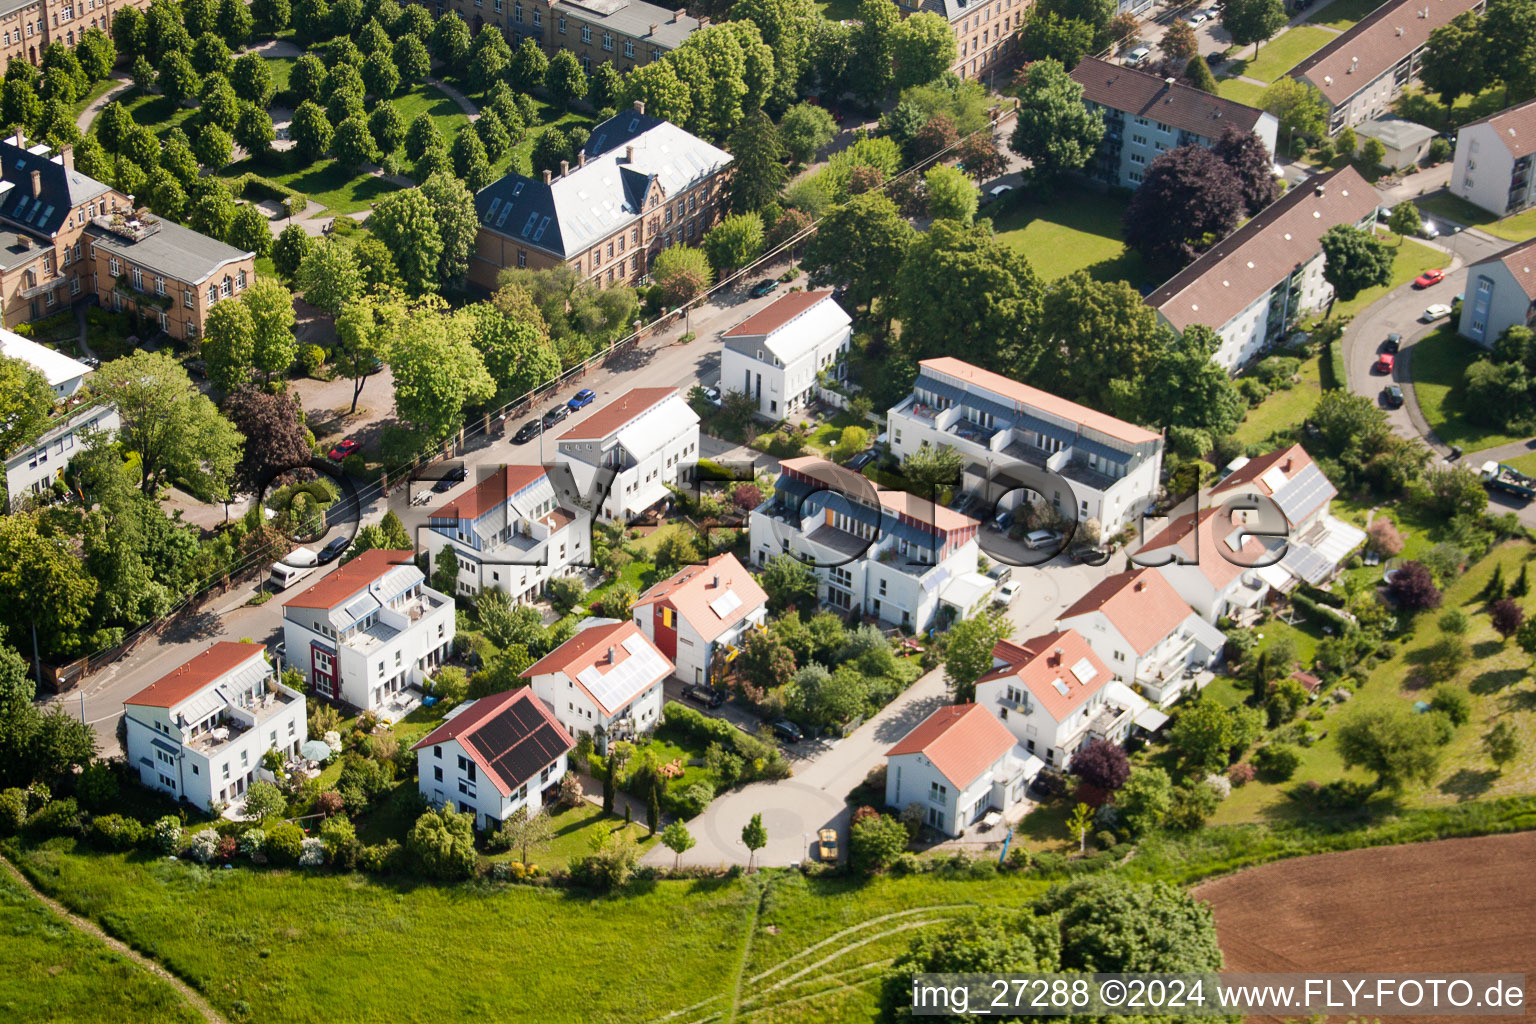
(253, 186)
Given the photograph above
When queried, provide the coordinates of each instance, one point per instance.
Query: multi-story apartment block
(27, 27)
(369, 629)
(640, 185)
(984, 32)
(775, 354)
(622, 457)
(1255, 284)
(604, 682)
(1016, 438)
(493, 756)
(1145, 116)
(164, 270)
(698, 616)
(1361, 71)
(889, 555)
(511, 533)
(957, 765)
(1493, 160)
(626, 33)
(35, 463)
(1501, 293)
(200, 731)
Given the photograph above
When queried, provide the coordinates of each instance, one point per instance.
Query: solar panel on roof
(1306, 563)
(725, 604)
(1084, 670)
(624, 681)
(1303, 493)
(1061, 687)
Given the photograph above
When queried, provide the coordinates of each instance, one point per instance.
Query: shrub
(311, 358)
(875, 841)
(252, 841)
(55, 818)
(380, 859)
(203, 845)
(1383, 537)
(690, 801)
(340, 840)
(226, 849)
(13, 811)
(1220, 785)
(311, 853)
(284, 843)
(262, 800)
(1278, 761)
(115, 832)
(1018, 858)
(442, 842)
(168, 834)
(355, 464)
(1104, 840)
(571, 792)
(1049, 862)
(1240, 773)
(96, 788)
(1456, 704)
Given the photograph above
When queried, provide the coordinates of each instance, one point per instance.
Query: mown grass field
(1439, 368)
(1516, 228)
(1073, 229)
(1282, 410)
(1239, 91)
(1341, 14)
(1280, 54)
(1410, 260)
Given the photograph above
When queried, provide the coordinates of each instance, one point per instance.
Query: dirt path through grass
(191, 995)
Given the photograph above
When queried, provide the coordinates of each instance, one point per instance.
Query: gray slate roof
(1395, 132)
(174, 251)
(60, 189)
(635, 18)
(591, 202)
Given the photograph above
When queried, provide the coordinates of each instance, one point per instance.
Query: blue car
(582, 400)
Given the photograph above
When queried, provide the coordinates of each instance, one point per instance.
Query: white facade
(65, 374)
(957, 764)
(605, 682)
(699, 616)
(33, 469)
(1246, 336)
(1499, 295)
(642, 441)
(447, 773)
(375, 631)
(1162, 672)
(775, 355)
(1491, 170)
(205, 744)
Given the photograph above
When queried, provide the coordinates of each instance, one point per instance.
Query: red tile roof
(693, 587)
(350, 579)
(1518, 259)
(1037, 399)
(607, 420)
(1141, 604)
(589, 648)
(1515, 127)
(777, 314)
(510, 735)
(191, 676)
(1292, 462)
(489, 493)
(1039, 663)
(1206, 544)
(962, 741)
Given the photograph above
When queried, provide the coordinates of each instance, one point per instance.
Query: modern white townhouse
(1316, 542)
(1501, 293)
(1145, 116)
(1145, 633)
(199, 732)
(775, 354)
(697, 617)
(65, 374)
(1253, 286)
(1212, 561)
(890, 555)
(510, 532)
(1364, 69)
(604, 682)
(642, 441)
(492, 756)
(368, 629)
(1053, 694)
(1493, 160)
(957, 765)
(32, 466)
(1017, 438)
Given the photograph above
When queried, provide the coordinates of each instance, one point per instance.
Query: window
(560, 25)
(240, 280)
(213, 294)
(113, 267)
(188, 298)
(586, 33)
(225, 288)
(608, 41)
(522, 258)
(1137, 158)
(629, 47)
(538, 18)
(159, 286)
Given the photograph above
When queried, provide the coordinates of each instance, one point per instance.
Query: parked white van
(299, 563)
(1136, 56)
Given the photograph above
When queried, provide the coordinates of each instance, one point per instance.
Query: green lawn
(1516, 228)
(51, 971)
(1280, 54)
(575, 830)
(838, 10)
(157, 113)
(1074, 229)
(1524, 463)
(282, 72)
(1341, 14)
(1282, 410)
(327, 184)
(1411, 260)
(1426, 109)
(450, 120)
(1438, 365)
(95, 92)
(1239, 91)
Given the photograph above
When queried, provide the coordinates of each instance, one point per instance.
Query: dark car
(448, 479)
(334, 548)
(555, 415)
(1392, 397)
(581, 399)
(1394, 340)
(527, 432)
(864, 458)
(705, 695)
(1089, 555)
(787, 731)
(763, 287)
(1216, 59)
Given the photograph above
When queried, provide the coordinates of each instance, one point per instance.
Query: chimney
(612, 654)
(1287, 467)
(717, 580)
(547, 175)
(678, 14)
(565, 168)
(581, 158)
(37, 184)
(67, 157)
(1140, 586)
(639, 106)
(652, 31)
(704, 21)
(629, 154)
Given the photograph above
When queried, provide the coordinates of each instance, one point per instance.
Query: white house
(1054, 694)
(200, 731)
(1493, 160)
(697, 617)
(1405, 142)
(604, 682)
(492, 756)
(1145, 116)
(1362, 70)
(1212, 561)
(958, 764)
(1253, 285)
(642, 441)
(775, 354)
(33, 467)
(1315, 542)
(368, 629)
(1145, 633)
(1014, 437)
(65, 375)
(510, 532)
(1501, 293)
(890, 555)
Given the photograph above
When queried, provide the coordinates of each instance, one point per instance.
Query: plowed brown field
(1457, 905)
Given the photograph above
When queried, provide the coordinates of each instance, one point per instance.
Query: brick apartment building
(628, 33)
(28, 26)
(984, 32)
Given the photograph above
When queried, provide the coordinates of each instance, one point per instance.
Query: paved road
(815, 797)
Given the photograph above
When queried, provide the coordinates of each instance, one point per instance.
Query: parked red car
(1428, 278)
(344, 449)
(1385, 362)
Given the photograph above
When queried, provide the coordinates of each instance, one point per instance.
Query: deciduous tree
(1055, 132)
(1252, 21)
(1189, 200)
(1354, 260)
